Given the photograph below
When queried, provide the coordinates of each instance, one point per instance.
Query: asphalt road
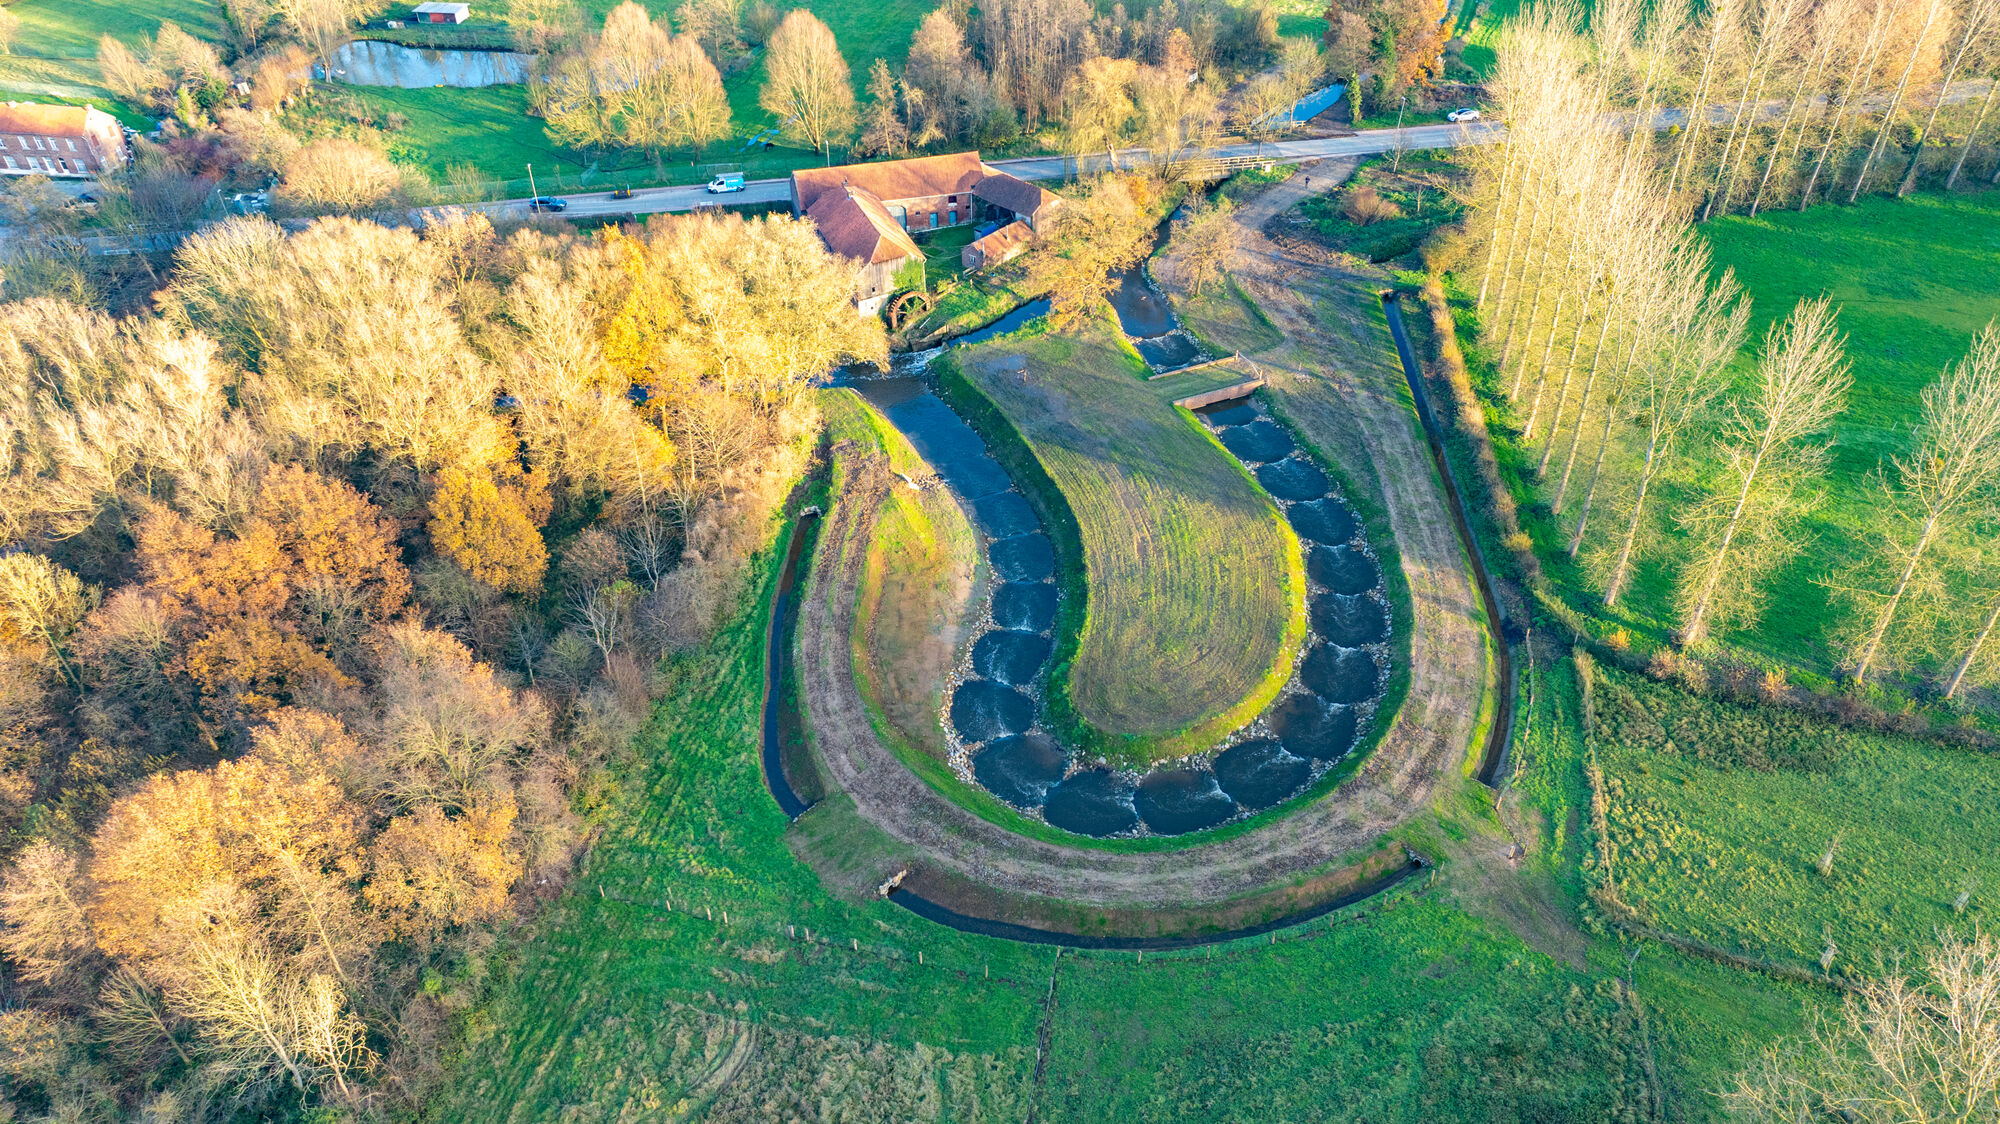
(650, 200)
(654, 199)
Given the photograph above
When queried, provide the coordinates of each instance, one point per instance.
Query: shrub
(1445, 249)
(1365, 206)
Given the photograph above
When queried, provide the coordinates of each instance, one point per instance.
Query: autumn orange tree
(323, 583)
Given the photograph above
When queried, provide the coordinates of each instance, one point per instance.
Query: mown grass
(1193, 577)
(1912, 280)
(1720, 816)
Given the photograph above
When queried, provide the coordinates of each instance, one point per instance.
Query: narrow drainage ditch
(1499, 736)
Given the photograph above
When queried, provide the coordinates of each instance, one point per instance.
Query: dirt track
(1333, 378)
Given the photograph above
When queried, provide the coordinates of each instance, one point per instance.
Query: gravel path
(1323, 384)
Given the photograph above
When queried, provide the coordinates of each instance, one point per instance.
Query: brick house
(59, 140)
(868, 212)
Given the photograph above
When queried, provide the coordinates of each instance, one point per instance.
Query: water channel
(370, 62)
(994, 714)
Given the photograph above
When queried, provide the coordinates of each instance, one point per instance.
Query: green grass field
(1912, 280)
(1193, 577)
(697, 969)
(56, 51)
(865, 32)
(1720, 816)
(54, 56)
(70, 29)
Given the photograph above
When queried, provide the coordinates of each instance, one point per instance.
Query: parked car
(726, 182)
(548, 203)
(621, 193)
(1460, 116)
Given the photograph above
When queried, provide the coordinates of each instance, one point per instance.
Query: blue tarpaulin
(1315, 103)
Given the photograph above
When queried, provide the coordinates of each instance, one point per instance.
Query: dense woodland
(331, 587)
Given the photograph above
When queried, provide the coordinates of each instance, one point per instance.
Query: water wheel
(906, 306)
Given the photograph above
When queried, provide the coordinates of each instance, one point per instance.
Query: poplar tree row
(1773, 103)
(1614, 339)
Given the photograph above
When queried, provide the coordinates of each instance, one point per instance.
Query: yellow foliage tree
(434, 871)
(486, 531)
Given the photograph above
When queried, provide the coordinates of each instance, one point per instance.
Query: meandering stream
(994, 714)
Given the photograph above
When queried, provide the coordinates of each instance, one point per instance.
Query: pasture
(697, 968)
(1193, 579)
(1721, 816)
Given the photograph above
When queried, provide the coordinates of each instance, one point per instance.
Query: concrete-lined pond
(370, 62)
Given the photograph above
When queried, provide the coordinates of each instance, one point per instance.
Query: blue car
(548, 203)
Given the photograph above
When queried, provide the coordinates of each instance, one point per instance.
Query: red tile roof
(854, 224)
(999, 246)
(1013, 193)
(892, 180)
(44, 120)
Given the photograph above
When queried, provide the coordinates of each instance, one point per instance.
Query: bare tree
(1956, 463)
(1676, 390)
(1098, 107)
(321, 23)
(1802, 384)
(41, 605)
(1976, 26)
(1860, 79)
(42, 902)
(1973, 651)
(1931, 12)
(1204, 242)
(1903, 1051)
(806, 84)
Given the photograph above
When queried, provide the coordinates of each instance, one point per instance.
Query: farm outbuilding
(868, 213)
(1003, 245)
(441, 13)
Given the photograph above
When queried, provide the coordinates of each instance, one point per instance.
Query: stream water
(994, 712)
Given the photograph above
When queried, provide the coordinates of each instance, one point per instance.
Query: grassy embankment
(1912, 280)
(1192, 607)
(626, 998)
